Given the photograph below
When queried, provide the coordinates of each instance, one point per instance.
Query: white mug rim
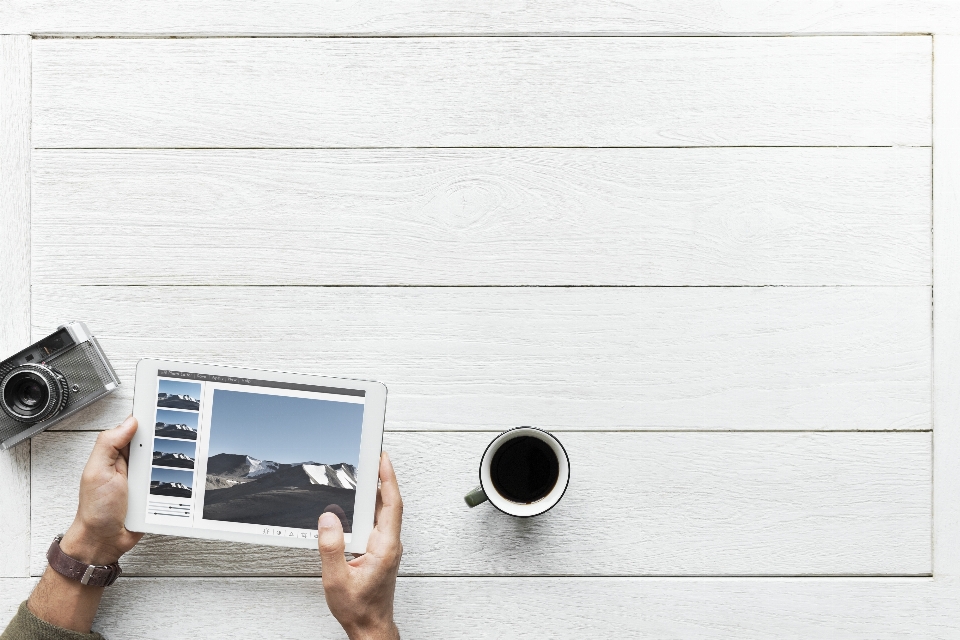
(544, 504)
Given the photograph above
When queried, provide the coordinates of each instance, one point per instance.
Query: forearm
(67, 603)
(64, 602)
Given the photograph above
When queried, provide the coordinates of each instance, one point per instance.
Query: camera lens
(33, 393)
(28, 394)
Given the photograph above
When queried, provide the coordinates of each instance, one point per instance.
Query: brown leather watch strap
(89, 574)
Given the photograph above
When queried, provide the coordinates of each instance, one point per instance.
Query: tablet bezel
(140, 459)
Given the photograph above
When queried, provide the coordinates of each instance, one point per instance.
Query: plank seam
(174, 35)
(926, 577)
(512, 286)
(454, 148)
(933, 360)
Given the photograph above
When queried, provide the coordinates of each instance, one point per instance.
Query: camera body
(51, 380)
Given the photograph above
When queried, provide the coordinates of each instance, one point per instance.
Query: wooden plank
(643, 609)
(946, 310)
(638, 608)
(689, 504)
(441, 17)
(556, 607)
(13, 591)
(14, 193)
(481, 92)
(484, 216)
(14, 283)
(559, 358)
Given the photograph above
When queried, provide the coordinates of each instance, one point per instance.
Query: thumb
(333, 565)
(112, 441)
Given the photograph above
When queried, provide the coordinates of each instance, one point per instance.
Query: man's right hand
(97, 535)
(360, 592)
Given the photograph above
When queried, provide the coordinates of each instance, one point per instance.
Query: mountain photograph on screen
(281, 461)
(175, 394)
(171, 482)
(180, 454)
(176, 424)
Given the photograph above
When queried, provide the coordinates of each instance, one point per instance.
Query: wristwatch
(87, 574)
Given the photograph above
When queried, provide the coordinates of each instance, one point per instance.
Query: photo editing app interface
(253, 456)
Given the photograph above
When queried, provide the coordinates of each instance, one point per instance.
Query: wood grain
(481, 92)
(946, 311)
(441, 17)
(535, 608)
(558, 358)
(13, 591)
(686, 504)
(484, 216)
(14, 193)
(14, 284)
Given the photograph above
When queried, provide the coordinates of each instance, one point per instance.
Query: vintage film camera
(51, 380)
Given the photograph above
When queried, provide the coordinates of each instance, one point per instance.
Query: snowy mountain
(239, 467)
(341, 475)
(260, 467)
(225, 470)
(181, 431)
(175, 396)
(164, 459)
(175, 456)
(175, 489)
(177, 401)
(175, 485)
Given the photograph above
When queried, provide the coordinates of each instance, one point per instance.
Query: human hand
(97, 535)
(360, 592)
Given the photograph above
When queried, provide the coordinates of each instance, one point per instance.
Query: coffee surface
(524, 469)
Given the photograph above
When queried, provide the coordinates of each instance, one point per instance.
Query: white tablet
(251, 455)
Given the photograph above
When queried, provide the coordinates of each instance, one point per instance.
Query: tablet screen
(254, 456)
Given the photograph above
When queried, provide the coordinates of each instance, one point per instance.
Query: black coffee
(524, 469)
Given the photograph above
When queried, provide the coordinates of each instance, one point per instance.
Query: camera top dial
(33, 392)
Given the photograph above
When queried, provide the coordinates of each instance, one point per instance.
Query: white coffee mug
(488, 489)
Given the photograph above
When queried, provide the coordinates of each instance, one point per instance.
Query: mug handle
(475, 497)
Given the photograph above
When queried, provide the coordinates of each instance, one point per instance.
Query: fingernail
(129, 422)
(328, 520)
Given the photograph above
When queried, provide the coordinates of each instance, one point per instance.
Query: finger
(377, 508)
(112, 441)
(333, 565)
(392, 511)
(122, 463)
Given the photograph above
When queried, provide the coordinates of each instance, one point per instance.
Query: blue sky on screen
(172, 475)
(176, 387)
(178, 417)
(186, 447)
(285, 429)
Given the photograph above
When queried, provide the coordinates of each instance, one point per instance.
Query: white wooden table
(724, 270)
